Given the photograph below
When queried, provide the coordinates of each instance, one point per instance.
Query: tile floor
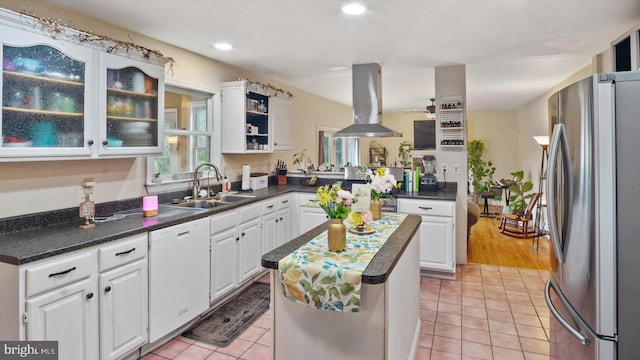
(488, 312)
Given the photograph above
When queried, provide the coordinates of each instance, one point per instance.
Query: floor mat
(225, 324)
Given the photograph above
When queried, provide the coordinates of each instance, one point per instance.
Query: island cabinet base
(387, 327)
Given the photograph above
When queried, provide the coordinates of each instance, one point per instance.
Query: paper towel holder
(246, 177)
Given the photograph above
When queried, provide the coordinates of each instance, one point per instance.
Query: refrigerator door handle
(547, 297)
(558, 131)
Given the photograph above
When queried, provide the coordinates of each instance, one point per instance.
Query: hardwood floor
(488, 246)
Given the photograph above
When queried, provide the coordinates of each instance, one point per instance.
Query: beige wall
(498, 130)
(29, 187)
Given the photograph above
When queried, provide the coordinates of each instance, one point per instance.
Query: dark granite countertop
(380, 267)
(28, 238)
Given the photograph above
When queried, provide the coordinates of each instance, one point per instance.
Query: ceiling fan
(431, 109)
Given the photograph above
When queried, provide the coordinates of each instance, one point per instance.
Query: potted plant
(481, 171)
(520, 192)
(404, 150)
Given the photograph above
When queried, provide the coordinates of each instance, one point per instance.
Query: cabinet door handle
(270, 206)
(126, 252)
(242, 234)
(238, 238)
(280, 219)
(276, 220)
(90, 142)
(89, 295)
(425, 207)
(105, 142)
(285, 201)
(107, 289)
(183, 233)
(62, 272)
(326, 216)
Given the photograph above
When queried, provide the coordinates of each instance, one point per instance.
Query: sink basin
(233, 197)
(204, 204)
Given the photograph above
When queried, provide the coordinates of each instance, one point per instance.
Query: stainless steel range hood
(367, 104)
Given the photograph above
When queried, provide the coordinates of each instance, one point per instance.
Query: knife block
(282, 179)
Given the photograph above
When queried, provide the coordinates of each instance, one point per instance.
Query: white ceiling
(514, 50)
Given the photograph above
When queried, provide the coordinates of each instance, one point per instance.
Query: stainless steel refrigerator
(593, 199)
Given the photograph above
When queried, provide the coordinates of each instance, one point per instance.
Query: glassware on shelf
(262, 107)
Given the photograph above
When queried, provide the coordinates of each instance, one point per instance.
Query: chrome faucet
(196, 183)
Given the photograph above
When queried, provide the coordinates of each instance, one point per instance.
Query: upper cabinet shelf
(253, 121)
(451, 120)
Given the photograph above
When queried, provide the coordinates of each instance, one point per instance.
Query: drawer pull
(126, 252)
(425, 207)
(276, 220)
(107, 289)
(89, 295)
(183, 233)
(270, 206)
(62, 272)
(285, 201)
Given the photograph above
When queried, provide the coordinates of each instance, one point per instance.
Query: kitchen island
(385, 324)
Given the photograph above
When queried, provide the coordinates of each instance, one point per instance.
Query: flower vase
(376, 208)
(337, 235)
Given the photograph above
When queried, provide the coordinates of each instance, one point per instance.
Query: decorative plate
(366, 231)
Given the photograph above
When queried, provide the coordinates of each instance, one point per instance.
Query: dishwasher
(178, 276)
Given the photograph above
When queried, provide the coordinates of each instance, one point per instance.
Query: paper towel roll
(246, 175)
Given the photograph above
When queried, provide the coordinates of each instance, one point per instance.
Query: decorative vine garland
(266, 89)
(58, 30)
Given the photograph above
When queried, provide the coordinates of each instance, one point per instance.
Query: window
(188, 135)
(338, 151)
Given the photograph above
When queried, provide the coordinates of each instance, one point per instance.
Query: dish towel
(326, 280)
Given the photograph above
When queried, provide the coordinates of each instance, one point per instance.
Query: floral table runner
(327, 280)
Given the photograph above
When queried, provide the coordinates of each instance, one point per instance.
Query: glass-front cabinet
(131, 96)
(46, 86)
(64, 100)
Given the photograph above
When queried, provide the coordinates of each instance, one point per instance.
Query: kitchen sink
(233, 197)
(204, 204)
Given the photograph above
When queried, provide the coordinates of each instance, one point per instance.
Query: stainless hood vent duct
(367, 104)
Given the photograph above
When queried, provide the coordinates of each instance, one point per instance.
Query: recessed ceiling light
(223, 46)
(353, 9)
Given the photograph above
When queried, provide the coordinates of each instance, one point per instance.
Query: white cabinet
(47, 110)
(178, 276)
(248, 250)
(270, 225)
(70, 101)
(281, 119)
(283, 220)
(123, 284)
(253, 120)
(224, 253)
(437, 234)
(310, 214)
(131, 99)
(311, 217)
(235, 248)
(62, 305)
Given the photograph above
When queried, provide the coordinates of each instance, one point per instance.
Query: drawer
(223, 222)
(426, 207)
(122, 252)
(284, 202)
(249, 212)
(269, 206)
(58, 273)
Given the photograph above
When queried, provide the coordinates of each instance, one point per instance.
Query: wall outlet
(444, 168)
(456, 169)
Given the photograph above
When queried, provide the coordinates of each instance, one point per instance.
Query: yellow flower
(379, 171)
(355, 218)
